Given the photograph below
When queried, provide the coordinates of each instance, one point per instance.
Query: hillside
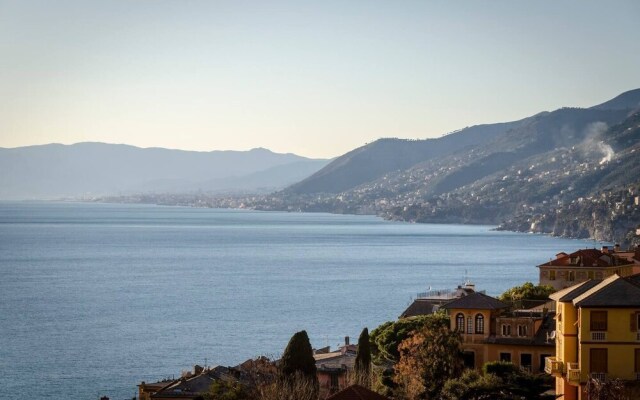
(95, 169)
(383, 156)
(508, 176)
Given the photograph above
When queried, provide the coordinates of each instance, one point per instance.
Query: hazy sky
(314, 78)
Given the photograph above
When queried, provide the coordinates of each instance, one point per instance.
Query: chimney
(197, 370)
(605, 249)
(346, 340)
(616, 247)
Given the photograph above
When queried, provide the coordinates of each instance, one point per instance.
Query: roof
(587, 258)
(476, 301)
(195, 384)
(335, 359)
(421, 307)
(611, 292)
(356, 392)
(570, 293)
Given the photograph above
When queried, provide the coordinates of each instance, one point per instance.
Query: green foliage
(298, 357)
(500, 369)
(473, 386)
(427, 359)
(363, 360)
(528, 291)
(225, 390)
(298, 367)
(500, 380)
(386, 338)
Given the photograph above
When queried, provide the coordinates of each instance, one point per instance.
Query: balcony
(599, 336)
(552, 366)
(599, 376)
(573, 374)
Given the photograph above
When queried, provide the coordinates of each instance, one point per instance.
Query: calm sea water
(95, 298)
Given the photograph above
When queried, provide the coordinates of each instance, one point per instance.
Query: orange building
(490, 333)
(569, 269)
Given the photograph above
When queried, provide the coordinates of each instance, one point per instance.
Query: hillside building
(569, 269)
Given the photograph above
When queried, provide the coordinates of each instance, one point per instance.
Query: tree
(605, 390)
(428, 359)
(387, 337)
(298, 357)
(498, 381)
(298, 367)
(527, 291)
(363, 360)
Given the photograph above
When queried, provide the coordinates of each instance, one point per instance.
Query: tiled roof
(356, 392)
(635, 279)
(611, 292)
(420, 307)
(476, 301)
(586, 258)
(570, 293)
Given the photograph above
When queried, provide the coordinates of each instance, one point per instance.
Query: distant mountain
(625, 101)
(96, 169)
(373, 160)
(572, 172)
(500, 142)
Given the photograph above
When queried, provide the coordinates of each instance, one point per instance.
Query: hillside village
(577, 330)
(571, 172)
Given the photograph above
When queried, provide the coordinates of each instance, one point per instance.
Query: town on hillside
(573, 336)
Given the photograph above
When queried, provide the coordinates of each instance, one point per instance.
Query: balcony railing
(552, 366)
(598, 336)
(599, 376)
(573, 373)
(638, 336)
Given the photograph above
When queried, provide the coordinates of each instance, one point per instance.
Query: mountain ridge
(89, 169)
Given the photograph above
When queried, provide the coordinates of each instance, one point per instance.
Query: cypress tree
(298, 358)
(363, 360)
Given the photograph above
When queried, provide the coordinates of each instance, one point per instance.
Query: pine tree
(297, 363)
(363, 360)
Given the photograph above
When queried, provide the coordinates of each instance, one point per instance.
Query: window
(479, 323)
(506, 330)
(469, 324)
(505, 357)
(460, 322)
(599, 321)
(598, 361)
(526, 361)
(522, 330)
(552, 275)
(571, 276)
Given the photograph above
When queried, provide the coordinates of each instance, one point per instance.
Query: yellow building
(489, 333)
(597, 334)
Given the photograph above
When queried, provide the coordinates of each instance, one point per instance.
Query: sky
(315, 78)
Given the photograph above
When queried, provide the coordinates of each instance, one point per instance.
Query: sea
(95, 298)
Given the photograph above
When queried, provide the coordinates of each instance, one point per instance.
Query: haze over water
(98, 297)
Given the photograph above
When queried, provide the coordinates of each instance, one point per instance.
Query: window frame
(479, 323)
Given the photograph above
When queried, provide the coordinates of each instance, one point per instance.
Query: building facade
(597, 334)
(569, 269)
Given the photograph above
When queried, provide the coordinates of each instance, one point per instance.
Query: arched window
(469, 324)
(460, 322)
(479, 323)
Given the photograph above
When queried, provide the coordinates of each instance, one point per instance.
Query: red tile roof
(356, 392)
(586, 258)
